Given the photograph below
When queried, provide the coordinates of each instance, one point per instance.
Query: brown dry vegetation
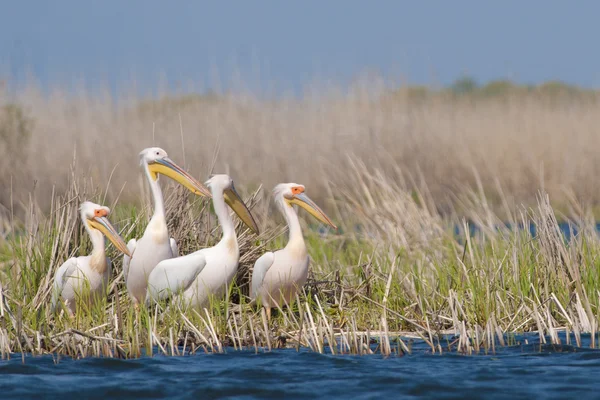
(518, 140)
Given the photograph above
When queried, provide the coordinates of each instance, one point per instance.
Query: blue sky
(290, 44)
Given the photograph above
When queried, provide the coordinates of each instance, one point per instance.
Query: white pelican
(207, 271)
(79, 274)
(277, 276)
(155, 245)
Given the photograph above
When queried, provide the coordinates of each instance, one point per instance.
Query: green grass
(403, 273)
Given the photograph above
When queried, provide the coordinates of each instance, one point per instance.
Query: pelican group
(278, 275)
(87, 277)
(206, 272)
(152, 267)
(155, 245)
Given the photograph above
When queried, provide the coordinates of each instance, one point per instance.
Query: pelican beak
(305, 202)
(103, 225)
(167, 167)
(233, 199)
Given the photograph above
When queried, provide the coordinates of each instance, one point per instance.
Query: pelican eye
(100, 213)
(297, 190)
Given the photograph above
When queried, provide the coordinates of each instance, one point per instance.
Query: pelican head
(222, 182)
(95, 216)
(293, 193)
(158, 162)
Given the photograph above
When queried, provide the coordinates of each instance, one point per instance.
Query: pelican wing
(261, 266)
(63, 273)
(126, 259)
(174, 248)
(173, 275)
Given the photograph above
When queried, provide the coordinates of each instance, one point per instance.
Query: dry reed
(519, 141)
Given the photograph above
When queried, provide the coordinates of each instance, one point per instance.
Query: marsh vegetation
(429, 189)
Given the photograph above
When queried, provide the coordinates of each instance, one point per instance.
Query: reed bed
(521, 142)
(398, 271)
(430, 197)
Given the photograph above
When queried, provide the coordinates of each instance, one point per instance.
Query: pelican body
(87, 277)
(277, 276)
(155, 245)
(206, 272)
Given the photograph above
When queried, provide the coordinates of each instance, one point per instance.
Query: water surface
(524, 371)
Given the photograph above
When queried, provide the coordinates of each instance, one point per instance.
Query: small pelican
(92, 272)
(277, 276)
(207, 271)
(155, 245)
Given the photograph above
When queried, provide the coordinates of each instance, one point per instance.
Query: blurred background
(446, 98)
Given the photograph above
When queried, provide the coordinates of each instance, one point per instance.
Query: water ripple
(515, 372)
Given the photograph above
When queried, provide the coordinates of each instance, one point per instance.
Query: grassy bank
(397, 270)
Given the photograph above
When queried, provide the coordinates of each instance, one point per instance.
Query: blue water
(524, 371)
(567, 229)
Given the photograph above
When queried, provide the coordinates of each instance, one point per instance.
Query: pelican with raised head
(155, 245)
(278, 275)
(207, 272)
(86, 277)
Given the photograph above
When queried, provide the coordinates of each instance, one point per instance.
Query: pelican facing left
(155, 245)
(87, 277)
